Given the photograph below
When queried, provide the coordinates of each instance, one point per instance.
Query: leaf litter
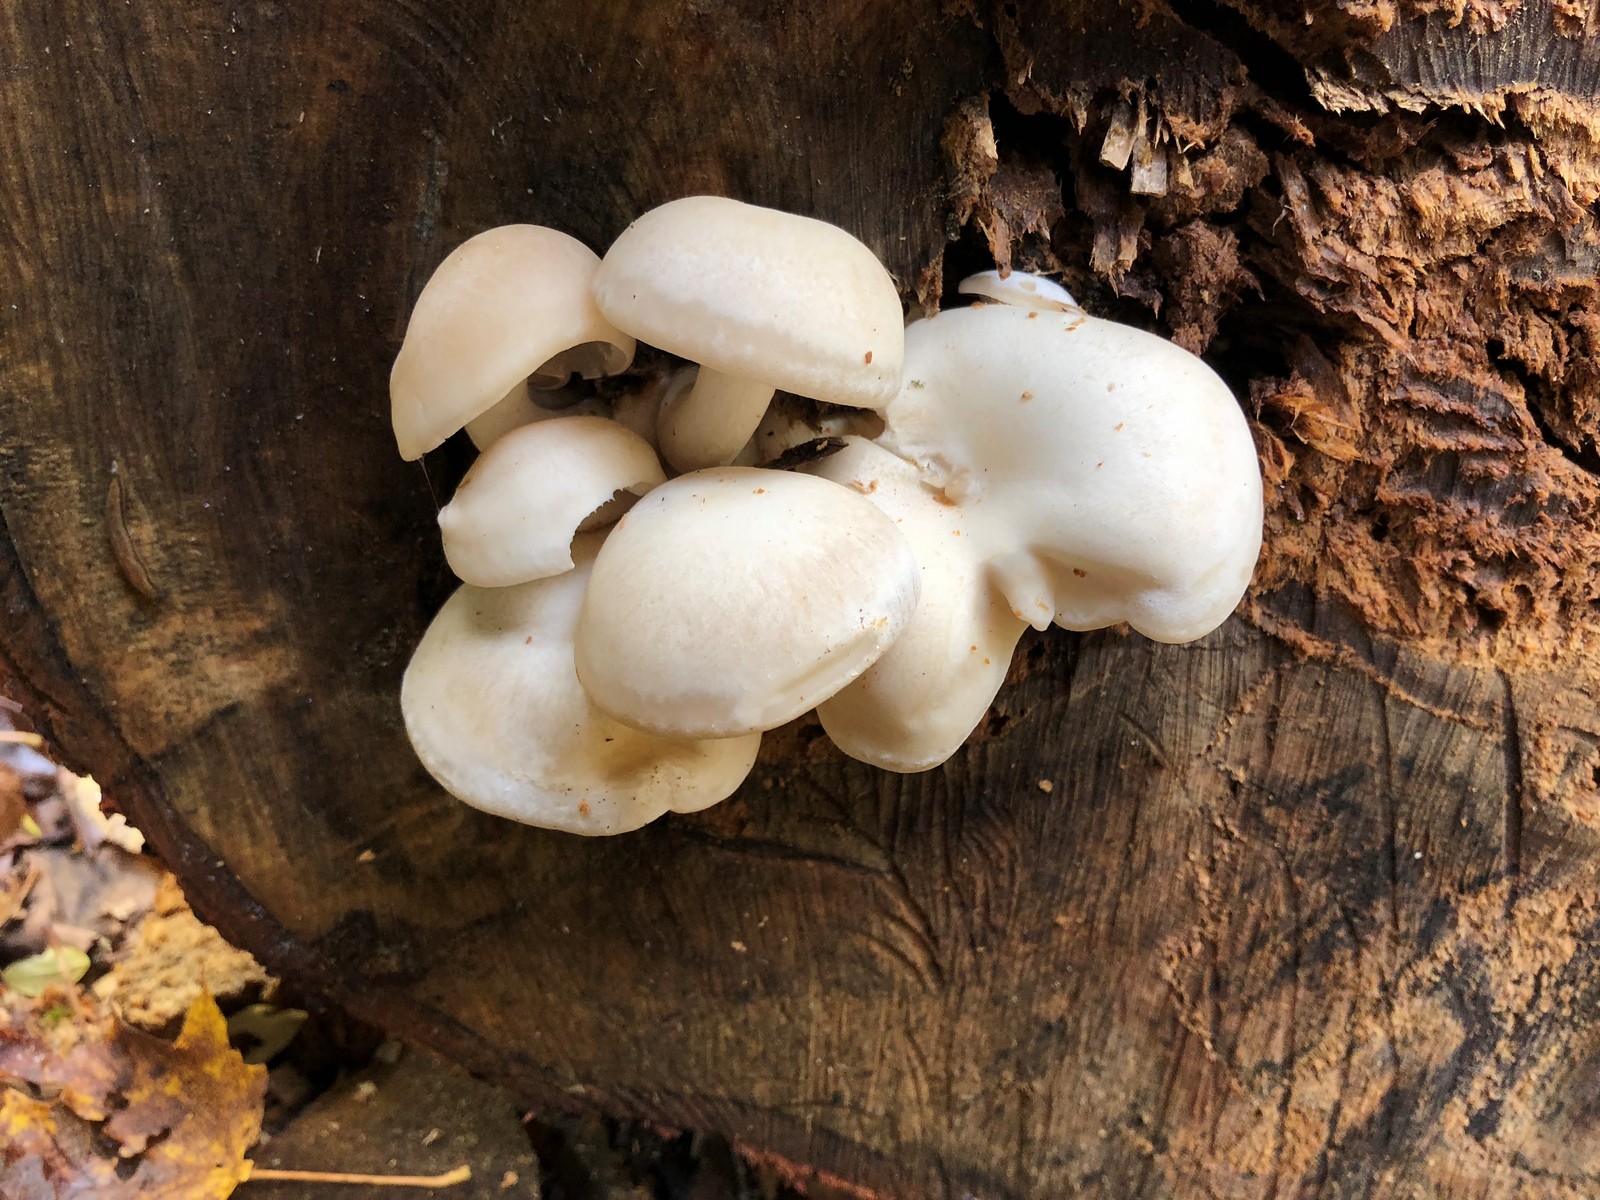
(100, 956)
(179, 1117)
(103, 964)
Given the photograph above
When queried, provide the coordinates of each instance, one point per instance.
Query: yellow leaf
(200, 1099)
(45, 1150)
(265, 1030)
(185, 1114)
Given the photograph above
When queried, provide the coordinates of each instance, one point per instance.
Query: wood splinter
(129, 565)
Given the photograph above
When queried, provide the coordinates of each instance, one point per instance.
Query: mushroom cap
(1110, 473)
(500, 305)
(496, 714)
(516, 510)
(1021, 288)
(734, 599)
(912, 709)
(768, 296)
(634, 405)
(523, 405)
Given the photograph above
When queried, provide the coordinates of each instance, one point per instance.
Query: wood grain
(1308, 908)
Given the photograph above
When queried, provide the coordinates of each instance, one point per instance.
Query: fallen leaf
(80, 898)
(200, 1097)
(25, 759)
(265, 1030)
(13, 805)
(56, 967)
(162, 966)
(62, 1046)
(182, 1115)
(46, 1153)
(26, 776)
(93, 828)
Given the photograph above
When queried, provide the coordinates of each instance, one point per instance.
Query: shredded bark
(1408, 305)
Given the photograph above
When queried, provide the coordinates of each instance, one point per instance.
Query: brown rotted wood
(1307, 908)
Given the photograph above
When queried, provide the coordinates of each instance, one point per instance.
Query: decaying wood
(1309, 908)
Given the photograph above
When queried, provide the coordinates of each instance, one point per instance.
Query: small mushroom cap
(734, 599)
(500, 306)
(912, 709)
(768, 296)
(515, 513)
(1111, 474)
(496, 714)
(1019, 288)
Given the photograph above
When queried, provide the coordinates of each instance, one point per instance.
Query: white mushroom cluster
(642, 599)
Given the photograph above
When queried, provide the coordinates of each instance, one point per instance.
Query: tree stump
(1309, 908)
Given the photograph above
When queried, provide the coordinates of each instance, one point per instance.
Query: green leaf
(264, 1031)
(50, 968)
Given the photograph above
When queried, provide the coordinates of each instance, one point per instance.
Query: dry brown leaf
(13, 806)
(182, 1115)
(169, 959)
(79, 898)
(46, 1153)
(61, 1046)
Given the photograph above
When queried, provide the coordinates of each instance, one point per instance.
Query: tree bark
(1309, 908)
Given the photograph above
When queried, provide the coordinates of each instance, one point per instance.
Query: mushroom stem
(708, 423)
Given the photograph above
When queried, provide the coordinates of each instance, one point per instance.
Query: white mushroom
(523, 405)
(1110, 474)
(634, 404)
(1019, 288)
(762, 300)
(734, 599)
(791, 423)
(496, 714)
(510, 303)
(914, 707)
(515, 513)
(638, 405)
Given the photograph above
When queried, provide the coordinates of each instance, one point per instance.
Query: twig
(449, 1179)
(22, 737)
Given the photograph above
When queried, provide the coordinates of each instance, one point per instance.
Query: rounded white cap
(1019, 288)
(494, 709)
(1110, 474)
(515, 513)
(768, 296)
(912, 709)
(734, 599)
(499, 307)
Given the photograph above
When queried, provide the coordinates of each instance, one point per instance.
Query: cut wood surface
(1308, 908)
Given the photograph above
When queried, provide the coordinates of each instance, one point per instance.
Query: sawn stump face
(1306, 908)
